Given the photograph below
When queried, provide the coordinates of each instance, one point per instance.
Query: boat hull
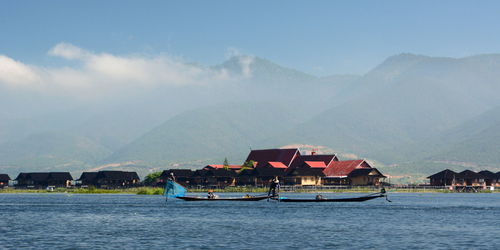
(356, 199)
(188, 198)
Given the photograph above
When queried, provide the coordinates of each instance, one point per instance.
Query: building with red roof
(353, 172)
(262, 157)
(342, 168)
(275, 164)
(291, 167)
(315, 164)
(302, 159)
(304, 176)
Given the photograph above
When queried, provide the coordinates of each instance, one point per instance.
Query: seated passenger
(211, 194)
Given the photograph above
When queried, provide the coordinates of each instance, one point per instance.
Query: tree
(226, 164)
(152, 178)
(248, 165)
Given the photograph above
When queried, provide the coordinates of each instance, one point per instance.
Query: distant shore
(159, 191)
(136, 190)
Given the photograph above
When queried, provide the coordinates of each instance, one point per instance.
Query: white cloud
(101, 72)
(16, 73)
(246, 63)
(68, 51)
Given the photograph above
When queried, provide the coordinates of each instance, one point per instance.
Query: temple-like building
(289, 165)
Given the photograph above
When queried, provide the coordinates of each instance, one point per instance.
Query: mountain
(209, 134)
(263, 71)
(476, 141)
(412, 113)
(405, 100)
(51, 151)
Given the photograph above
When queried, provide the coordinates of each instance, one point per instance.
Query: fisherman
(171, 177)
(211, 194)
(275, 185)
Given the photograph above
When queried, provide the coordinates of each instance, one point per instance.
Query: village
(260, 167)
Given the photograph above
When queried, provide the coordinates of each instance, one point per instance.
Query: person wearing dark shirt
(275, 185)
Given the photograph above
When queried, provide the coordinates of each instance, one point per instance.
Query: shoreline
(159, 191)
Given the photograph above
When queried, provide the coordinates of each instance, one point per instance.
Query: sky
(317, 37)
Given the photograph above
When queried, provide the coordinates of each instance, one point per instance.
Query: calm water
(456, 221)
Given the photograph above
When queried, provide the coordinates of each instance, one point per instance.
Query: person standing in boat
(171, 177)
(275, 185)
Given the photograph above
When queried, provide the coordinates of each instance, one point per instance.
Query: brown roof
(117, 175)
(63, 176)
(177, 173)
(200, 172)
(343, 168)
(88, 176)
(45, 176)
(263, 156)
(488, 175)
(327, 159)
(365, 172)
(444, 175)
(4, 177)
(40, 176)
(468, 174)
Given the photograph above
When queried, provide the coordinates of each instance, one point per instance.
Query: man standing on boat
(171, 177)
(275, 185)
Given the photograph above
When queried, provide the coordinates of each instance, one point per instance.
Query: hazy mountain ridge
(261, 70)
(410, 109)
(51, 151)
(476, 141)
(210, 133)
(413, 106)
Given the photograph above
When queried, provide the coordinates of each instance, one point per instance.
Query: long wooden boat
(355, 199)
(251, 198)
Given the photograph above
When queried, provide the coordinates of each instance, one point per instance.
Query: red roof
(315, 164)
(263, 156)
(343, 168)
(300, 161)
(217, 166)
(277, 164)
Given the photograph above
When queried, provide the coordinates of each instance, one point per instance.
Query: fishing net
(174, 189)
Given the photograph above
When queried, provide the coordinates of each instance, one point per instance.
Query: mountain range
(412, 114)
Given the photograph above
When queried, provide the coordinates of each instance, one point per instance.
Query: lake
(81, 221)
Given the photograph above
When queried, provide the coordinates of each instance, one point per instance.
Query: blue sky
(318, 37)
